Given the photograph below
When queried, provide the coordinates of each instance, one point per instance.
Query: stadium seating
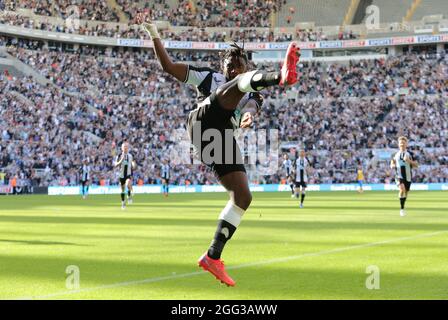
(340, 112)
(83, 9)
(181, 34)
(427, 8)
(392, 11)
(322, 12)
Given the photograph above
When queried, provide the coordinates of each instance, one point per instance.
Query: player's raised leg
(230, 93)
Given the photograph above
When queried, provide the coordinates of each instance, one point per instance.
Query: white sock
(232, 214)
(244, 81)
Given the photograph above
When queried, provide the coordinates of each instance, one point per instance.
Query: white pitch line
(241, 266)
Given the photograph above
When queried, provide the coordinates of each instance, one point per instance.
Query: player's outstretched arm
(177, 70)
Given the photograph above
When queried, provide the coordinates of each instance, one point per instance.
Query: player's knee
(243, 199)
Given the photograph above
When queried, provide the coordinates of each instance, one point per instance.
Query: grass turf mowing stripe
(259, 263)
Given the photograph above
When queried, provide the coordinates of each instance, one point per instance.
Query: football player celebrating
(227, 99)
(403, 162)
(125, 161)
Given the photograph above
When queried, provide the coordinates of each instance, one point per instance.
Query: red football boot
(289, 74)
(215, 267)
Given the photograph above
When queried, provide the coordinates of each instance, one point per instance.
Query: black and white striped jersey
(165, 171)
(287, 165)
(126, 165)
(403, 169)
(207, 80)
(85, 172)
(300, 166)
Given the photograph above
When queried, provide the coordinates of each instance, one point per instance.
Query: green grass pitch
(280, 251)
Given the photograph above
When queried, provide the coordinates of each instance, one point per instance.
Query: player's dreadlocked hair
(234, 51)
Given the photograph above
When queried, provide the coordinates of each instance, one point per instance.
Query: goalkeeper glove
(151, 29)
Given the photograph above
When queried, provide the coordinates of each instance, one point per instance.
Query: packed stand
(134, 31)
(340, 113)
(81, 9)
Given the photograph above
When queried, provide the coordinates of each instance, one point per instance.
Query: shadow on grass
(182, 280)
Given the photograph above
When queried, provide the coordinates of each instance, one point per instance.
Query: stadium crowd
(208, 13)
(194, 33)
(339, 113)
(82, 9)
(128, 73)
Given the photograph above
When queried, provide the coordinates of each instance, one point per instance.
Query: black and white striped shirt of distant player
(125, 167)
(300, 168)
(207, 80)
(85, 173)
(287, 165)
(403, 169)
(166, 171)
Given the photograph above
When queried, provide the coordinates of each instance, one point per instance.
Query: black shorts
(299, 184)
(407, 184)
(84, 182)
(167, 179)
(123, 180)
(210, 115)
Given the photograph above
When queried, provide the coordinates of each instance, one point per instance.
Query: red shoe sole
(290, 63)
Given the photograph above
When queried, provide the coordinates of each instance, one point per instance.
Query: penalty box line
(241, 266)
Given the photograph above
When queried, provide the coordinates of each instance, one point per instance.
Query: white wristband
(151, 28)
